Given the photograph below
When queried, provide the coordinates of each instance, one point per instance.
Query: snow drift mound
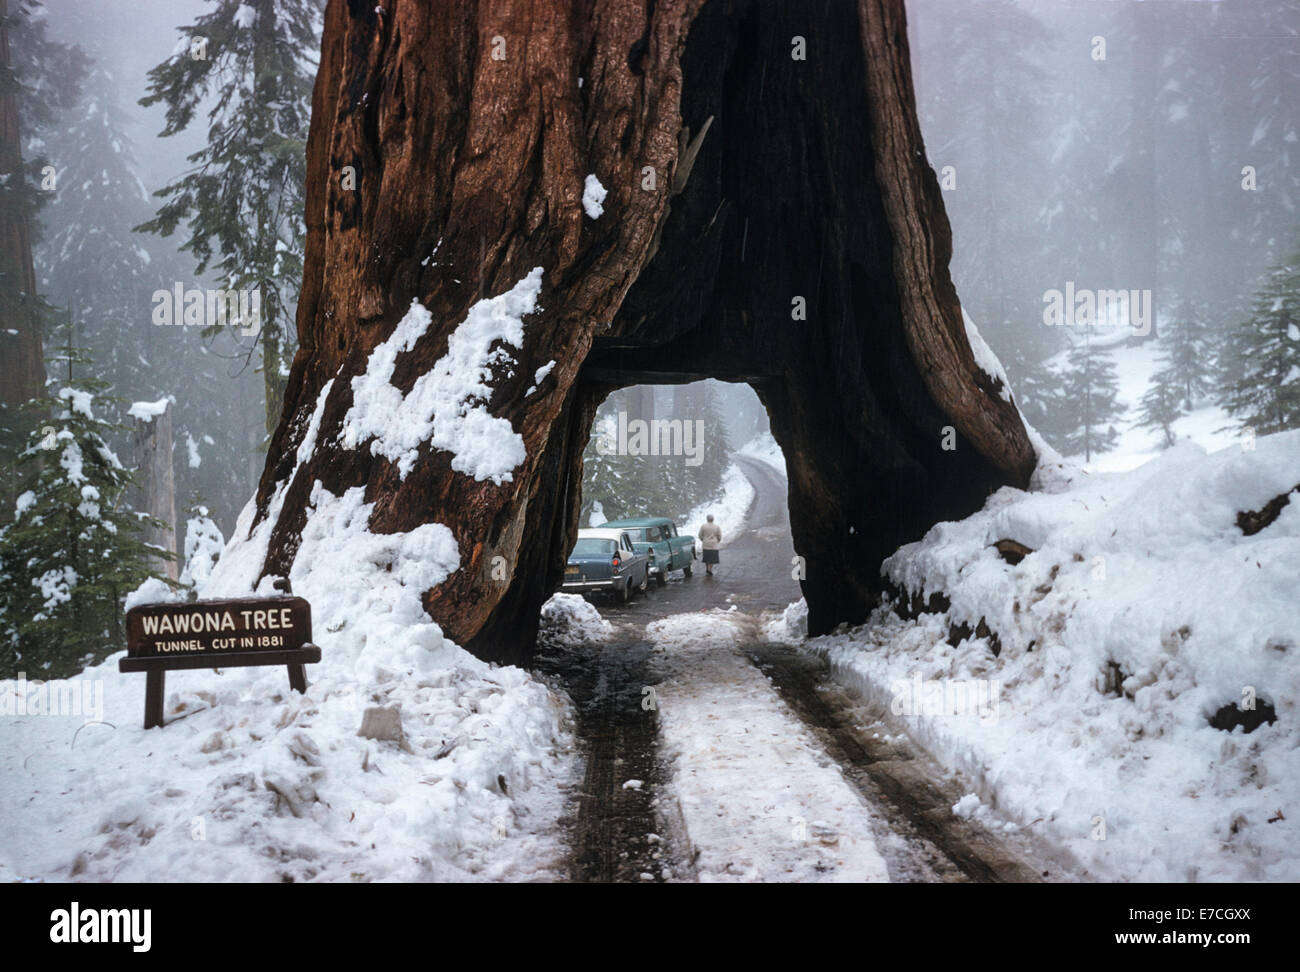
(249, 781)
(569, 619)
(1141, 617)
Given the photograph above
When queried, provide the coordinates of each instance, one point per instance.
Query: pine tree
(1263, 114)
(203, 546)
(1089, 388)
(48, 74)
(1186, 356)
(1265, 353)
(1037, 390)
(647, 489)
(90, 259)
(243, 201)
(1159, 408)
(73, 552)
(655, 485)
(603, 470)
(1226, 351)
(1183, 375)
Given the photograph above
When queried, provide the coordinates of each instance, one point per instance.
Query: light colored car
(605, 560)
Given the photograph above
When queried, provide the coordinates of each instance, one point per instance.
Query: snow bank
(764, 448)
(729, 510)
(249, 781)
(1141, 612)
(569, 619)
(789, 627)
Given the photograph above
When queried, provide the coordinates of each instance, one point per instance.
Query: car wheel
(661, 578)
(686, 571)
(625, 594)
(645, 581)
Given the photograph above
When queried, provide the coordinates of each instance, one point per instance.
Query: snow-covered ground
(760, 798)
(249, 781)
(1209, 426)
(1141, 612)
(764, 448)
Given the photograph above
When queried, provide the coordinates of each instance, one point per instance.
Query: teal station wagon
(657, 537)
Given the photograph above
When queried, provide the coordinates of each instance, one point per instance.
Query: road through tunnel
(776, 266)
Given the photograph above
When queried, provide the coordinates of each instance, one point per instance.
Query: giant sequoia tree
(770, 218)
(22, 368)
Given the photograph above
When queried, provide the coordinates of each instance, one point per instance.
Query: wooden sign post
(216, 634)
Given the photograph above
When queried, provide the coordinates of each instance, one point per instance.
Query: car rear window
(592, 547)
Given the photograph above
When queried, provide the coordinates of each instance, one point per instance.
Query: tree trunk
(1145, 228)
(156, 485)
(472, 137)
(22, 362)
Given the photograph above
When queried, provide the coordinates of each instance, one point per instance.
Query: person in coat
(711, 537)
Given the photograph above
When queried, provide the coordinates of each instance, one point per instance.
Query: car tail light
(615, 562)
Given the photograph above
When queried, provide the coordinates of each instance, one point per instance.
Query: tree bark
(1146, 231)
(22, 362)
(156, 485)
(472, 137)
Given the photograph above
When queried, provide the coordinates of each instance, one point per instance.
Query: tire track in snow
(760, 798)
(913, 797)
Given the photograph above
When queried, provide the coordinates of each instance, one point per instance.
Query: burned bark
(1250, 522)
(1012, 551)
(739, 178)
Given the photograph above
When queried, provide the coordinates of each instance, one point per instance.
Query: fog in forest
(908, 643)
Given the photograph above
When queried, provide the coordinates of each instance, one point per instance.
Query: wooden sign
(216, 627)
(217, 634)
